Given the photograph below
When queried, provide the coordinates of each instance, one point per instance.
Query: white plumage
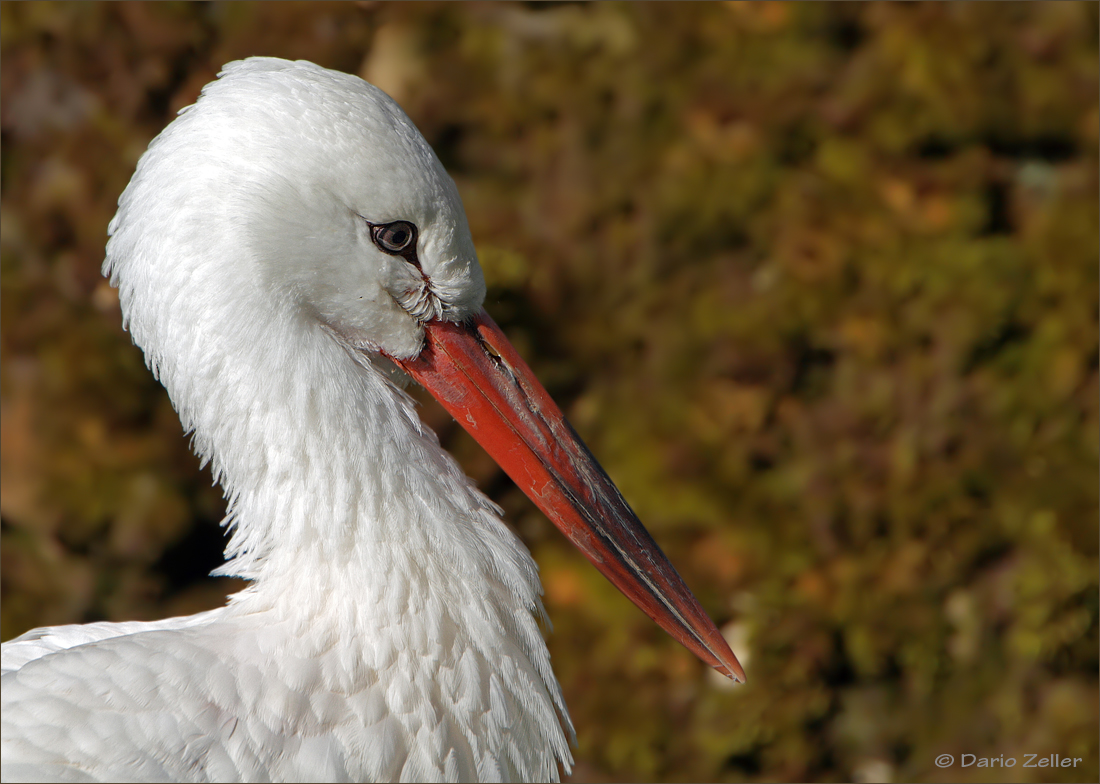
(390, 631)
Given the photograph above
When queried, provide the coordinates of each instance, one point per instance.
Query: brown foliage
(817, 283)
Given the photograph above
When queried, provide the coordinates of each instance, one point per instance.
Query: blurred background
(817, 283)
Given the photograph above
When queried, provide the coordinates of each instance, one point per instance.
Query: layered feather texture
(390, 631)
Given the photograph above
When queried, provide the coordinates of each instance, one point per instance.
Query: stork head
(384, 246)
(326, 188)
(308, 193)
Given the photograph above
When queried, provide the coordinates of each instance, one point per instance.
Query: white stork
(288, 252)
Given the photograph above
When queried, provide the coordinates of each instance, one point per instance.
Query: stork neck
(338, 492)
(324, 455)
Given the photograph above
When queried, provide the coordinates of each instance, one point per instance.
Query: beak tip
(735, 672)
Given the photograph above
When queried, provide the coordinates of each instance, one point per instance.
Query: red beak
(476, 374)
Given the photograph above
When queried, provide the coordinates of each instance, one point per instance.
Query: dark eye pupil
(395, 237)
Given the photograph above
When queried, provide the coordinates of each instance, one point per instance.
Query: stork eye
(394, 238)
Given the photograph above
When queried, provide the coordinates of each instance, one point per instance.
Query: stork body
(390, 629)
